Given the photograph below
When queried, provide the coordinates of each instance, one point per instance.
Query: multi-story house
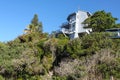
(74, 26)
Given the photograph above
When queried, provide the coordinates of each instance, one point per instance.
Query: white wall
(78, 20)
(80, 17)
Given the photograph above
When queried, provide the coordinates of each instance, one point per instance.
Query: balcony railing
(67, 31)
(114, 33)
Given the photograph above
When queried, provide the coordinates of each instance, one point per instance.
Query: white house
(75, 27)
(115, 32)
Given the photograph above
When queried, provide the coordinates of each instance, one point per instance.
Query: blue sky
(15, 15)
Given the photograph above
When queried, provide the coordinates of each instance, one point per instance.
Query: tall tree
(100, 21)
(35, 25)
(35, 22)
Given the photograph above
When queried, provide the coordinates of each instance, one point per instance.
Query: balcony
(114, 33)
(67, 31)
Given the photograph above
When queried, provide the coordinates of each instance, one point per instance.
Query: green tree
(100, 21)
(117, 25)
(35, 25)
(35, 20)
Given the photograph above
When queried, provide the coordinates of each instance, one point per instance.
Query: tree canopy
(35, 25)
(100, 21)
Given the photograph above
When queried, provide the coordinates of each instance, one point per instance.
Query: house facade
(74, 26)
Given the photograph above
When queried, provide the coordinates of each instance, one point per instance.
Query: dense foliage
(93, 56)
(36, 56)
(100, 21)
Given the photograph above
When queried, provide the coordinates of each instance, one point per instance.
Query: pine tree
(35, 22)
(35, 25)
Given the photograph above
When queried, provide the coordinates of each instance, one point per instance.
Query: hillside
(39, 56)
(36, 57)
